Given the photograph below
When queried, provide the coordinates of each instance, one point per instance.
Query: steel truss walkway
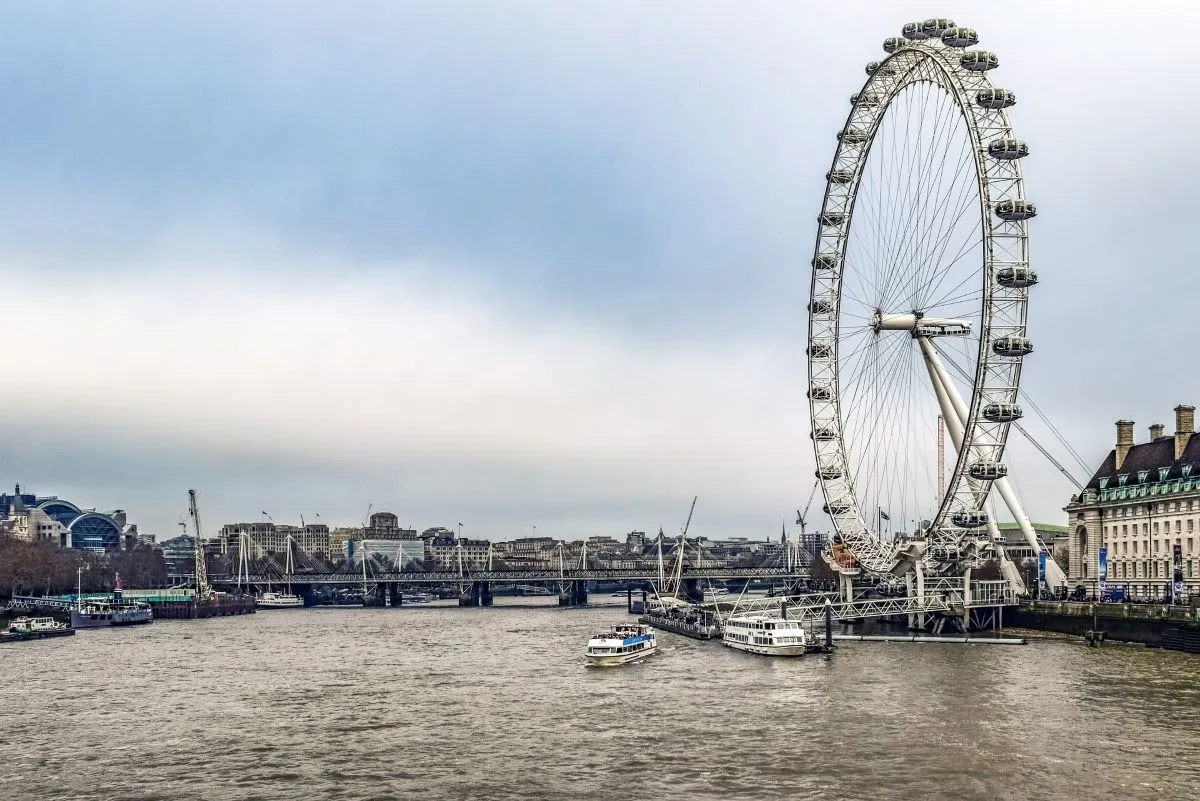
(942, 595)
(569, 574)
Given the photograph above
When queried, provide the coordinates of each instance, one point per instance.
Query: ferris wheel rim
(908, 63)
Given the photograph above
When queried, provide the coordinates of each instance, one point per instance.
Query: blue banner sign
(1103, 572)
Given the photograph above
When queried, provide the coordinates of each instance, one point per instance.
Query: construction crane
(688, 522)
(802, 517)
(202, 588)
(793, 552)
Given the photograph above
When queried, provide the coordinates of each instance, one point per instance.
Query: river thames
(447, 703)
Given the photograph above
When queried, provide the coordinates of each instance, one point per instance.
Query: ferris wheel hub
(920, 325)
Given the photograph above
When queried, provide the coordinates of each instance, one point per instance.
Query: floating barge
(688, 627)
(190, 608)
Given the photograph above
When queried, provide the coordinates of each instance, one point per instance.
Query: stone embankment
(1155, 625)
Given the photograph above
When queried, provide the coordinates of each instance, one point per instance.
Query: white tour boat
(765, 633)
(33, 625)
(621, 644)
(278, 600)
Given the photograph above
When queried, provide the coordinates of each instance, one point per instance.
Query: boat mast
(202, 588)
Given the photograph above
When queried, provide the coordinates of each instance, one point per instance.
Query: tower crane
(802, 517)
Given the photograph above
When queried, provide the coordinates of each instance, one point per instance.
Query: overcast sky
(517, 264)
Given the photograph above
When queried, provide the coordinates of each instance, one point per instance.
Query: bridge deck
(454, 577)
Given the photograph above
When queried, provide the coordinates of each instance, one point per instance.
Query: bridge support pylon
(915, 583)
(478, 594)
(847, 587)
(574, 594)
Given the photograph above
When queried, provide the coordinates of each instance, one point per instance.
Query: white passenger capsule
(1015, 210)
(933, 28)
(995, 99)
(894, 43)
(820, 393)
(865, 99)
(821, 306)
(1016, 277)
(1007, 149)
(979, 60)
(1002, 412)
(874, 67)
(831, 218)
(960, 37)
(1012, 346)
(825, 261)
(852, 136)
(839, 176)
(988, 471)
(970, 518)
(820, 350)
(914, 31)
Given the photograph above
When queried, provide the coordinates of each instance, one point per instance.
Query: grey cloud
(653, 172)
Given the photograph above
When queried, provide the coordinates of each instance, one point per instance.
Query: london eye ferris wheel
(920, 283)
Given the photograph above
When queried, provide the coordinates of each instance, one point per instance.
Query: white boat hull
(768, 650)
(620, 659)
(279, 603)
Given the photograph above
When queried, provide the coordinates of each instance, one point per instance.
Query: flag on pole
(883, 515)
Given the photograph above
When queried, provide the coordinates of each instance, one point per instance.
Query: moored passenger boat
(35, 628)
(98, 612)
(95, 613)
(621, 644)
(278, 600)
(765, 633)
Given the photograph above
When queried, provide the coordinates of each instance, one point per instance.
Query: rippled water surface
(448, 703)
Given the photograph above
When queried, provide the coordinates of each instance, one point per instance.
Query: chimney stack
(1156, 432)
(1185, 426)
(1124, 440)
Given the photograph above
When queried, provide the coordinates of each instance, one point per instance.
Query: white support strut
(955, 412)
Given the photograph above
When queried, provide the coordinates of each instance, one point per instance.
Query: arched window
(95, 532)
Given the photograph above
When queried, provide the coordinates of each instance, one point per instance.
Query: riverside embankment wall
(1144, 623)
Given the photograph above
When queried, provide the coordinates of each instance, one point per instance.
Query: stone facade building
(1142, 504)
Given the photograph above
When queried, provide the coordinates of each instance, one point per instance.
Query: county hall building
(1142, 504)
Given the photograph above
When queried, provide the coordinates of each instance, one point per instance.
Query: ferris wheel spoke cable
(917, 235)
(869, 369)
(928, 213)
(882, 411)
(973, 239)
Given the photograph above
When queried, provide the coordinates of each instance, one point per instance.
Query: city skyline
(562, 284)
